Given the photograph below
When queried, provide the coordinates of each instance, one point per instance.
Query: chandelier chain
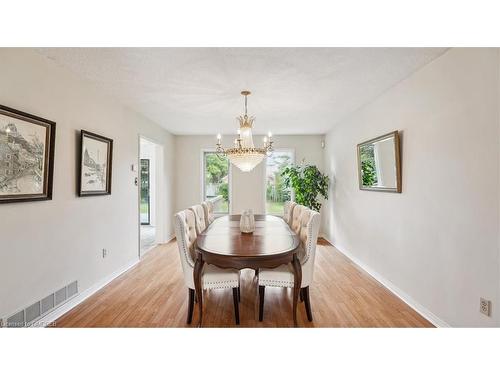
(246, 97)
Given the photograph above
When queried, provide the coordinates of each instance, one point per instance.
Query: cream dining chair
(199, 216)
(287, 211)
(296, 212)
(213, 277)
(307, 225)
(208, 208)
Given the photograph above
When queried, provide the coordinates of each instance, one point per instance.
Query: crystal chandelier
(244, 155)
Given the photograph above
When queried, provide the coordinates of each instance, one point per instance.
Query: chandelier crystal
(244, 154)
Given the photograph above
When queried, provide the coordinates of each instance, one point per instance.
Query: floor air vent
(34, 312)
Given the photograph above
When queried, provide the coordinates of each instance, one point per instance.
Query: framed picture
(26, 156)
(96, 153)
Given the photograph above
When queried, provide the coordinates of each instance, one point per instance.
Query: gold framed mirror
(379, 163)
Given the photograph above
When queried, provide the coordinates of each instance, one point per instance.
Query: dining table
(271, 244)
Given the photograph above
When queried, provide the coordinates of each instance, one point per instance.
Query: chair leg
(236, 307)
(256, 273)
(301, 295)
(239, 294)
(307, 303)
(190, 305)
(261, 302)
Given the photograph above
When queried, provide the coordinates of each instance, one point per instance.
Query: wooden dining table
(272, 244)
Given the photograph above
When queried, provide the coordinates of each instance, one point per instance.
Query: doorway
(150, 183)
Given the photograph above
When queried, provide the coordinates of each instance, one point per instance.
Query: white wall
(45, 245)
(247, 188)
(438, 241)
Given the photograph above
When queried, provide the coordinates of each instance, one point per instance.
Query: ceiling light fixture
(244, 154)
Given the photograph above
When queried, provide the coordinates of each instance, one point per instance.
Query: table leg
(198, 267)
(297, 282)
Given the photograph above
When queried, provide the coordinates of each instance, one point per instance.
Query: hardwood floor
(153, 294)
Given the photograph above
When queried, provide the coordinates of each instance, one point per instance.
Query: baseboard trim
(169, 239)
(55, 314)
(431, 317)
(143, 253)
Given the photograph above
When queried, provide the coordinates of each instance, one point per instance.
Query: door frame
(160, 213)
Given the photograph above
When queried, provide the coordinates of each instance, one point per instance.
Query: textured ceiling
(197, 90)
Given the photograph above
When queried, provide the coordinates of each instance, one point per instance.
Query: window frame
(292, 193)
(229, 181)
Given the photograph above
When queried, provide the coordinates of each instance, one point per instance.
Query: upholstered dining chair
(297, 211)
(287, 211)
(208, 208)
(199, 217)
(213, 277)
(282, 276)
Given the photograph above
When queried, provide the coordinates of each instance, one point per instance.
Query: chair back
(208, 209)
(199, 216)
(185, 232)
(287, 211)
(296, 213)
(309, 229)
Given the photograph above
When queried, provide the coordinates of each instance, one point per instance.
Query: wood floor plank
(153, 294)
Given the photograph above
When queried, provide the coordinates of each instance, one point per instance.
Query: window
(276, 193)
(216, 181)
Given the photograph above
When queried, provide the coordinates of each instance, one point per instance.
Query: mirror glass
(379, 164)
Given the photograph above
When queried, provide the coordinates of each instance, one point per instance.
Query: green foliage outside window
(216, 168)
(216, 175)
(224, 191)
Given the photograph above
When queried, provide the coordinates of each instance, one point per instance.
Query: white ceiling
(197, 90)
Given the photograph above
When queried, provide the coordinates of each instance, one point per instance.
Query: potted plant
(308, 183)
